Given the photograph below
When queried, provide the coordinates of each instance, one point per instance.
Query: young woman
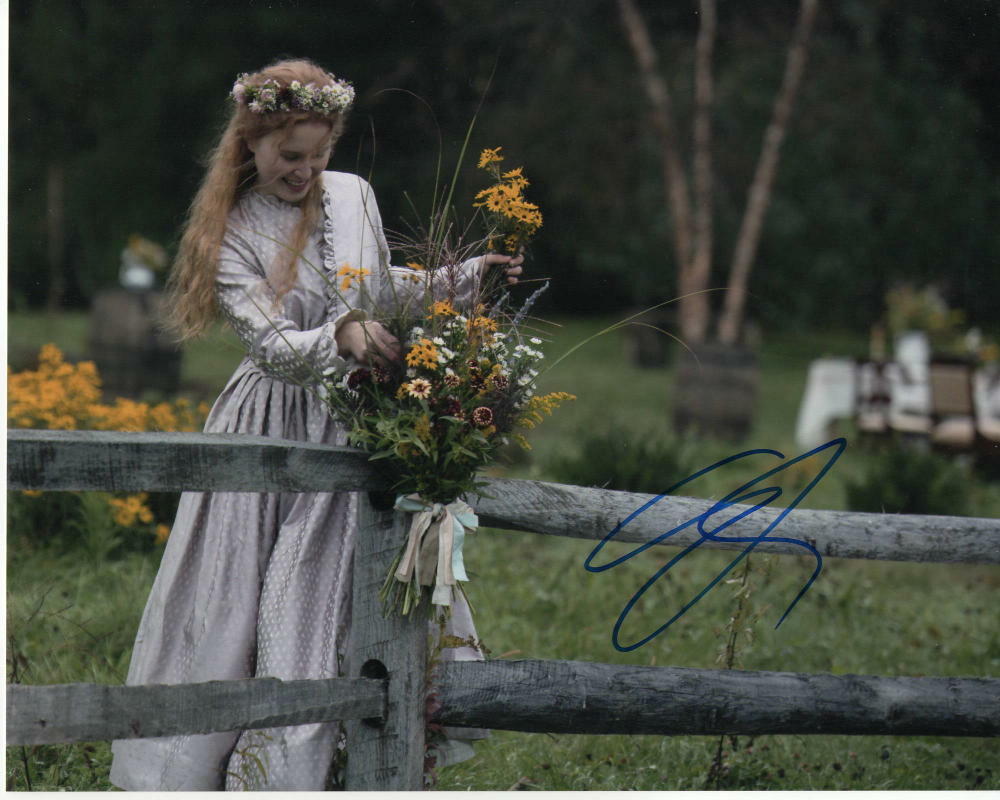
(255, 585)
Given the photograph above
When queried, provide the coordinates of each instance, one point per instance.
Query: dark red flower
(450, 407)
(482, 417)
(356, 378)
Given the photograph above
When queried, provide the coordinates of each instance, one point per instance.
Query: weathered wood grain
(91, 460)
(536, 696)
(127, 462)
(583, 513)
(387, 755)
(81, 712)
(581, 697)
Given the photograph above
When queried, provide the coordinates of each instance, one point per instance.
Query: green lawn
(72, 611)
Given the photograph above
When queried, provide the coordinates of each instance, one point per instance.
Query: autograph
(740, 495)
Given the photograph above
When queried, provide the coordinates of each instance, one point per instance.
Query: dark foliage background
(890, 170)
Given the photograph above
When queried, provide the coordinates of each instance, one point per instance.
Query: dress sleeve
(355, 237)
(458, 283)
(273, 341)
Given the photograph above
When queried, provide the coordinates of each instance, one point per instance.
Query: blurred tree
(693, 231)
(891, 171)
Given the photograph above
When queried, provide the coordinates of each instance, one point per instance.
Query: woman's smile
(289, 162)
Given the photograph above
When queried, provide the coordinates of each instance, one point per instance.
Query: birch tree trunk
(700, 270)
(674, 179)
(759, 196)
(693, 235)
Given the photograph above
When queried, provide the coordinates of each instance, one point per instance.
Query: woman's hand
(512, 266)
(368, 342)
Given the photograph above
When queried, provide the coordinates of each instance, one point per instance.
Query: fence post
(386, 754)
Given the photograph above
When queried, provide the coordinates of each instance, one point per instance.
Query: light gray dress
(260, 584)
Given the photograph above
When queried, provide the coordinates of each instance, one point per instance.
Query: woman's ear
(251, 145)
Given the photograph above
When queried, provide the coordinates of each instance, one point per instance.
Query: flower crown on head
(270, 96)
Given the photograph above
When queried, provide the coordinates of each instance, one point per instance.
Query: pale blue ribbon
(427, 521)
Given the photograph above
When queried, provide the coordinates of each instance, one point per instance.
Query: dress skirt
(250, 585)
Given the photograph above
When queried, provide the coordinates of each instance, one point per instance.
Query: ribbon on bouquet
(433, 551)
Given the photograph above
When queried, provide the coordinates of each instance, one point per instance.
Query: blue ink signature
(740, 495)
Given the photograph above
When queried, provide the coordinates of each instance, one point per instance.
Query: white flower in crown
(271, 96)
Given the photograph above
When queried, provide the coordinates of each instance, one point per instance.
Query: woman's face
(289, 161)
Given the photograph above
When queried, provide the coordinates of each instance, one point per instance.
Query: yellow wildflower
(127, 510)
(162, 533)
(349, 273)
(442, 308)
(417, 268)
(423, 354)
(482, 324)
(490, 155)
(63, 396)
(536, 407)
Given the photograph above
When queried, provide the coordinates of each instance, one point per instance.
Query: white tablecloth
(834, 384)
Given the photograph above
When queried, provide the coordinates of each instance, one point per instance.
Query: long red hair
(191, 304)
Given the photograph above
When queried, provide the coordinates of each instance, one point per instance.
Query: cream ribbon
(433, 552)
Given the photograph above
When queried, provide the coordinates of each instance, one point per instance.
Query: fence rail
(383, 700)
(532, 696)
(113, 461)
(83, 712)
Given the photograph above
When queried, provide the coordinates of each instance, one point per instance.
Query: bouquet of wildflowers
(462, 390)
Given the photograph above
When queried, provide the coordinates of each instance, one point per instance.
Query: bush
(903, 480)
(617, 459)
(59, 395)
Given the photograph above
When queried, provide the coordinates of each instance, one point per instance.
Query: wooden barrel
(132, 355)
(715, 391)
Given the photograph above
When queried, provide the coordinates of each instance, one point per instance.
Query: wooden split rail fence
(383, 704)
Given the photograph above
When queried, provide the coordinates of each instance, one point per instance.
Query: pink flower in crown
(239, 92)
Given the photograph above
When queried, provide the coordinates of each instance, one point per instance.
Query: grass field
(72, 611)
